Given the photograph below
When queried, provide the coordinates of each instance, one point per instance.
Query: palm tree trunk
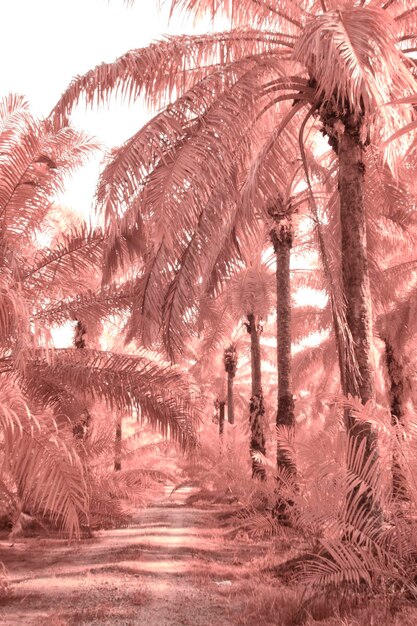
(282, 237)
(396, 396)
(230, 365)
(356, 286)
(222, 405)
(118, 445)
(256, 404)
(354, 260)
(81, 428)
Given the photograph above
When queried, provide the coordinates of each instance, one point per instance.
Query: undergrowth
(263, 602)
(6, 590)
(357, 534)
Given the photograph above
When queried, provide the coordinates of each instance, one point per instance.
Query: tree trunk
(222, 405)
(256, 404)
(282, 238)
(80, 332)
(356, 287)
(230, 364)
(355, 274)
(396, 396)
(118, 445)
(81, 428)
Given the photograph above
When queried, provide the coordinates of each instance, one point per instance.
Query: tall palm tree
(249, 294)
(273, 186)
(256, 404)
(220, 406)
(338, 64)
(314, 55)
(118, 444)
(247, 297)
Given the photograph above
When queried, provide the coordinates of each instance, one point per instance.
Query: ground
(173, 566)
(176, 565)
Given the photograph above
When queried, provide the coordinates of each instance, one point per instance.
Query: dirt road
(172, 567)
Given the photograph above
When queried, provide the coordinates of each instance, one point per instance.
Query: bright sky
(45, 43)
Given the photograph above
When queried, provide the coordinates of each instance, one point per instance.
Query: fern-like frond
(352, 55)
(77, 254)
(168, 67)
(89, 306)
(158, 392)
(263, 13)
(48, 472)
(35, 161)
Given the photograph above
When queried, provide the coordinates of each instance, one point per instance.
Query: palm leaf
(48, 472)
(157, 392)
(164, 68)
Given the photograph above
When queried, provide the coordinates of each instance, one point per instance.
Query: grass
(103, 613)
(266, 602)
(6, 590)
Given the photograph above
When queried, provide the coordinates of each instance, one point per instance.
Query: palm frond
(76, 254)
(156, 391)
(351, 54)
(90, 306)
(263, 13)
(168, 67)
(48, 472)
(34, 164)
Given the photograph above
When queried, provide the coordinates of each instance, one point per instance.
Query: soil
(172, 566)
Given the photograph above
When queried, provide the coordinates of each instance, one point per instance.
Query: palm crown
(174, 189)
(233, 94)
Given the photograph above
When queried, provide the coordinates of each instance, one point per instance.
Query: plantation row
(254, 256)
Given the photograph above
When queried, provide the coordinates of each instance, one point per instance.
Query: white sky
(45, 43)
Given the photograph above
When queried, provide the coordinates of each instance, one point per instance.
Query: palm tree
(256, 403)
(41, 287)
(247, 297)
(81, 428)
(249, 293)
(338, 65)
(344, 74)
(118, 443)
(220, 406)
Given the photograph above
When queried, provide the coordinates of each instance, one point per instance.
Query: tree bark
(79, 337)
(356, 286)
(396, 397)
(355, 273)
(81, 428)
(282, 238)
(230, 365)
(118, 445)
(222, 405)
(256, 403)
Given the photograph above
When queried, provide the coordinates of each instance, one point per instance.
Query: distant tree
(230, 366)
(249, 296)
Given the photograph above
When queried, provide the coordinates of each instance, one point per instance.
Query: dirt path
(172, 567)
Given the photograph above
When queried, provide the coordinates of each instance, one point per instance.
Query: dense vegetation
(248, 293)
